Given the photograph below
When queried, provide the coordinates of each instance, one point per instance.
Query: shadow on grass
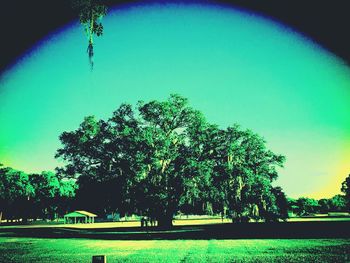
(338, 229)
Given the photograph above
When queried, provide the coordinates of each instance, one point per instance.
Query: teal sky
(235, 67)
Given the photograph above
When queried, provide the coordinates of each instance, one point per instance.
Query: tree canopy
(163, 156)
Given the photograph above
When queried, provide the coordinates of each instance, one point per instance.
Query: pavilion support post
(75, 220)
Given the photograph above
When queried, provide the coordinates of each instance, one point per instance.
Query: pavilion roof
(80, 213)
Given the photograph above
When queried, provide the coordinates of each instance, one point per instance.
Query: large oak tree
(164, 155)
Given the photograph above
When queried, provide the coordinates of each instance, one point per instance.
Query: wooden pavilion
(79, 216)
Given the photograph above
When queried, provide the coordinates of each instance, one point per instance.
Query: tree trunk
(165, 221)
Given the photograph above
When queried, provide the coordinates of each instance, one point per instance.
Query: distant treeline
(33, 196)
(46, 196)
(308, 206)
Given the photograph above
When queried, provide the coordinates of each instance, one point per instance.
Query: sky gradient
(235, 67)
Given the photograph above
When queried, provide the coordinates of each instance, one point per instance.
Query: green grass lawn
(17, 249)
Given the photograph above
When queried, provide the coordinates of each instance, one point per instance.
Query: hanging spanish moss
(90, 51)
(90, 12)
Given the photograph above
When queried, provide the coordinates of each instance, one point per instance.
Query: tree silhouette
(164, 155)
(345, 188)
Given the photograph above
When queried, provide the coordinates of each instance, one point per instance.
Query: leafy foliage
(15, 191)
(243, 170)
(165, 156)
(308, 206)
(41, 195)
(345, 188)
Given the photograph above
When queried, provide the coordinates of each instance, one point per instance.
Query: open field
(317, 219)
(116, 231)
(118, 224)
(243, 250)
(318, 241)
(177, 222)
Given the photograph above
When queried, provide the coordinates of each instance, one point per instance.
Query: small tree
(15, 193)
(324, 205)
(281, 203)
(345, 188)
(46, 187)
(306, 206)
(338, 203)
